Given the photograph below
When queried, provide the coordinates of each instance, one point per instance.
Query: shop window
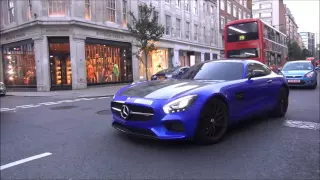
(57, 8)
(111, 10)
(158, 60)
(19, 65)
(107, 64)
(87, 10)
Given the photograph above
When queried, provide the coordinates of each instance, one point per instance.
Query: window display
(19, 65)
(107, 64)
(158, 60)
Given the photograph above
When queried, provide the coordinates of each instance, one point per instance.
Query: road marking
(25, 160)
(49, 103)
(302, 124)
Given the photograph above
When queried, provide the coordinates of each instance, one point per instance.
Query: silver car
(3, 89)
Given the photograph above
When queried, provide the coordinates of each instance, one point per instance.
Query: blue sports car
(202, 103)
(300, 74)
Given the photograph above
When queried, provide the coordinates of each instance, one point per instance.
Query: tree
(146, 31)
(304, 53)
(294, 51)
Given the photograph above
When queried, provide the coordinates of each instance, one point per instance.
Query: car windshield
(226, 71)
(297, 66)
(167, 71)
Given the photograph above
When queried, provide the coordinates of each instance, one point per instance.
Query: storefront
(158, 60)
(108, 62)
(189, 58)
(19, 67)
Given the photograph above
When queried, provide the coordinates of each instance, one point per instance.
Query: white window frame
(195, 7)
(168, 25)
(87, 9)
(111, 11)
(124, 12)
(29, 9)
(11, 11)
(187, 35)
(178, 4)
(266, 4)
(187, 6)
(222, 22)
(56, 7)
(223, 5)
(234, 11)
(229, 7)
(178, 27)
(195, 32)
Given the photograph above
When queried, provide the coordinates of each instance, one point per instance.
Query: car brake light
(309, 75)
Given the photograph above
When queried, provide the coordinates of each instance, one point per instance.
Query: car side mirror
(256, 73)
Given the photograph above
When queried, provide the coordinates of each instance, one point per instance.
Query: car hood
(163, 89)
(296, 72)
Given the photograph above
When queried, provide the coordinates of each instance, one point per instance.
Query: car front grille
(137, 112)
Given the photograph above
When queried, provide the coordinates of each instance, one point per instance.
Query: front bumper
(3, 91)
(301, 82)
(161, 126)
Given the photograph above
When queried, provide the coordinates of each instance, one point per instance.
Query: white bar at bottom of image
(25, 160)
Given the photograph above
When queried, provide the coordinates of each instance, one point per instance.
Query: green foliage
(295, 52)
(146, 31)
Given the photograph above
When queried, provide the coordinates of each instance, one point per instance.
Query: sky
(306, 14)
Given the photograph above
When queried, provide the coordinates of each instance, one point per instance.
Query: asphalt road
(81, 144)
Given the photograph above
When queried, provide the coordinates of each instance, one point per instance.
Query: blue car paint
(260, 97)
(301, 75)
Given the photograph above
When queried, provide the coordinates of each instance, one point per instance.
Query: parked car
(300, 74)
(174, 73)
(202, 103)
(3, 89)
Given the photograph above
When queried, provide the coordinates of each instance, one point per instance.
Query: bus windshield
(243, 32)
(243, 53)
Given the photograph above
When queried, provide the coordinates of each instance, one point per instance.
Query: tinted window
(215, 71)
(256, 66)
(243, 53)
(242, 32)
(297, 66)
(165, 71)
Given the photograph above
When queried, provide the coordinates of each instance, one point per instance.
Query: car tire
(314, 86)
(213, 122)
(282, 104)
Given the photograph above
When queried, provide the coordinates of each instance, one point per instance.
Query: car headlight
(309, 75)
(180, 104)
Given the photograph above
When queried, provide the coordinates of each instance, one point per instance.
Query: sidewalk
(101, 91)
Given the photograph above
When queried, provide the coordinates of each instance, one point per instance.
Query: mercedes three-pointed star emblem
(125, 112)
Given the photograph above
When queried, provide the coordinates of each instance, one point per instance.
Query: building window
(29, 9)
(229, 7)
(248, 16)
(239, 14)
(178, 28)
(265, 6)
(156, 14)
(255, 15)
(241, 2)
(167, 1)
(87, 9)
(195, 32)
(222, 5)
(105, 64)
(234, 10)
(222, 22)
(168, 25)
(57, 8)
(187, 6)
(178, 3)
(211, 9)
(19, 65)
(195, 7)
(245, 3)
(124, 12)
(204, 34)
(265, 14)
(111, 10)
(187, 30)
(11, 11)
(244, 14)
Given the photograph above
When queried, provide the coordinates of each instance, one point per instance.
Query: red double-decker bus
(255, 39)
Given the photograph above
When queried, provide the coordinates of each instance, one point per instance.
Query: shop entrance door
(61, 77)
(60, 64)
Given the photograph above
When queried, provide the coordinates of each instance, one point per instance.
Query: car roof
(243, 61)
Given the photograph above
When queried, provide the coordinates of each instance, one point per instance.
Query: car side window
(256, 66)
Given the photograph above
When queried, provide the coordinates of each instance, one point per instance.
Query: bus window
(243, 53)
(242, 32)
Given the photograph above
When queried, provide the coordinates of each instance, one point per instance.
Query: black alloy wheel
(282, 105)
(213, 122)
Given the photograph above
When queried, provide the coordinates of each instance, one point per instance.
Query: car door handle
(269, 81)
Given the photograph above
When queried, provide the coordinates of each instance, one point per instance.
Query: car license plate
(293, 81)
(160, 78)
